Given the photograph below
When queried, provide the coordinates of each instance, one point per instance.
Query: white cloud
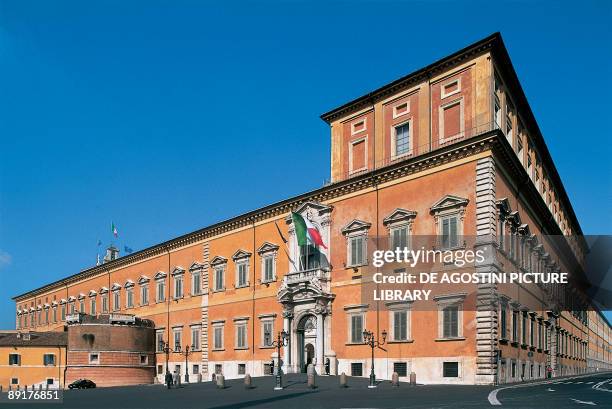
(5, 258)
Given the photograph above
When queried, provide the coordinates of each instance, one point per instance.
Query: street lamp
(186, 353)
(281, 341)
(165, 347)
(368, 339)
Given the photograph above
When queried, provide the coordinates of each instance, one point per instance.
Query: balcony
(297, 277)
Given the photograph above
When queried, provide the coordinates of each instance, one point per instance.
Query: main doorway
(307, 337)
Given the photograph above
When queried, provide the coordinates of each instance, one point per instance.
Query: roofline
(265, 212)
(429, 70)
(495, 43)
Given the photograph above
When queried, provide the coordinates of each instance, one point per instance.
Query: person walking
(175, 379)
(168, 379)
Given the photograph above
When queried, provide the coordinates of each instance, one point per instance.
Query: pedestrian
(168, 379)
(175, 378)
(272, 367)
(327, 366)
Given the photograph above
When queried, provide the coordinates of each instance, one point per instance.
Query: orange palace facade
(452, 149)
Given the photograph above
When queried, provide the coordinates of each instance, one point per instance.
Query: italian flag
(114, 229)
(306, 232)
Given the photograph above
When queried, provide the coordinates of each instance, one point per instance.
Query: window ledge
(514, 343)
(354, 343)
(266, 347)
(241, 348)
(404, 341)
(242, 286)
(449, 339)
(218, 290)
(524, 346)
(350, 267)
(503, 341)
(218, 349)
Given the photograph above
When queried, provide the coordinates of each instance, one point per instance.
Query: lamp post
(281, 341)
(186, 353)
(165, 347)
(368, 339)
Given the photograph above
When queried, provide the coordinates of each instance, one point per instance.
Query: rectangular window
(92, 306)
(178, 286)
(399, 237)
(144, 359)
(82, 306)
(509, 130)
(268, 331)
(400, 325)
(450, 369)
(49, 359)
(519, 147)
(497, 113)
(524, 329)
(218, 337)
(129, 295)
(358, 155)
(268, 268)
(47, 315)
(540, 334)
(178, 335)
(160, 369)
(219, 279)
(72, 309)
(268, 369)
(63, 315)
(450, 325)
(195, 369)
(14, 381)
(241, 369)
(94, 358)
(357, 250)
(515, 326)
(357, 328)
(356, 369)
(401, 368)
(503, 322)
(116, 301)
(402, 139)
(451, 125)
(241, 335)
(242, 274)
(161, 291)
(144, 295)
(196, 282)
(532, 332)
(196, 333)
(14, 359)
(159, 338)
(450, 238)
(105, 303)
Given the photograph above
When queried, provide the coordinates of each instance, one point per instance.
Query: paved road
(329, 395)
(587, 391)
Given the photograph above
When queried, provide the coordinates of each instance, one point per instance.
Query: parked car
(82, 384)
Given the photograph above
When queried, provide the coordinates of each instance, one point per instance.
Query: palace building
(450, 151)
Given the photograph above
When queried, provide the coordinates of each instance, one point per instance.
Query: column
(320, 353)
(287, 349)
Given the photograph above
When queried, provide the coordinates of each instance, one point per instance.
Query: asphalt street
(594, 390)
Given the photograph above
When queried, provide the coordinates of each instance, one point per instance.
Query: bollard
(26, 388)
(247, 381)
(220, 381)
(311, 381)
(343, 380)
(412, 378)
(395, 380)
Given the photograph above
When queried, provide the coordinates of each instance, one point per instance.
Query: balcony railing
(306, 275)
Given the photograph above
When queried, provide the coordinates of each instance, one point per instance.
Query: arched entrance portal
(307, 336)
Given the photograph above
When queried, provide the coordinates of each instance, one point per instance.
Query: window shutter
(453, 232)
(445, 233)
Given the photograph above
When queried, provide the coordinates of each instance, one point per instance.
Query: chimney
(112, 253)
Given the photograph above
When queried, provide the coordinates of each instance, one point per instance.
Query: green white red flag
(306, 232)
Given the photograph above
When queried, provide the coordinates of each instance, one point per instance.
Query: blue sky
(165, 117)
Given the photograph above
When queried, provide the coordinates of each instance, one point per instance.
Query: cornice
(371, 179)
(413, 78)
